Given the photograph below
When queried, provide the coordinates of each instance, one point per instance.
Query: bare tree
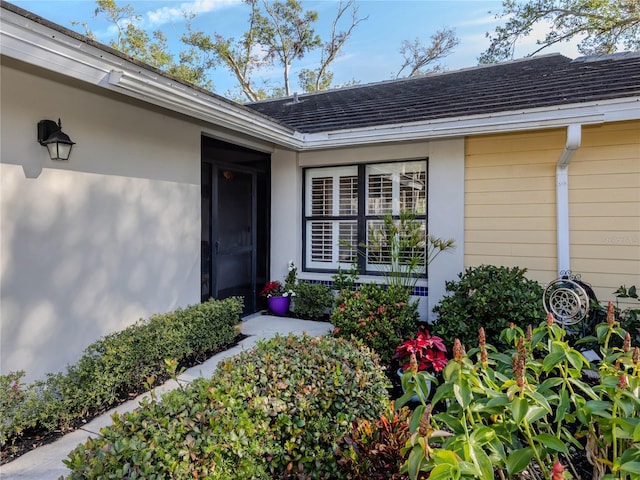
(420, 59)
(321, 78)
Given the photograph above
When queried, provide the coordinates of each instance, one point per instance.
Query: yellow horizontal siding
(529, 237)
(510, 203)
(503, 223)
(596, 224)
(619, 210)
(524, 197)
(624, 253)
(493, 145)
(604, 204)
(606, 239)
(616, 181)
(510, 211)
(511, 250)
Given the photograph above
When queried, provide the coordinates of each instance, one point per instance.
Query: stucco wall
(91, 245)
(510, 204)
(445, 215)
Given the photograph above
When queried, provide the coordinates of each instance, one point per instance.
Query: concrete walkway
(45, 463)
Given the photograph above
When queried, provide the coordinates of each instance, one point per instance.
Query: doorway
(235, 222)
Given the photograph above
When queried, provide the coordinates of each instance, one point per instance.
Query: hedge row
(114, 366)
(277, 411)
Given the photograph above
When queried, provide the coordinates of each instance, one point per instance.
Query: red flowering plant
(429, 350)
(272, 288)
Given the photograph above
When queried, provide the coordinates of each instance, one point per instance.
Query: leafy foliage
(246, 421)
(603, 26)
(312, 300)
(111, 367)
(531, 403)
(133, 40)
(373, 450)
(490, 297)
(380, 317)
(403, 249)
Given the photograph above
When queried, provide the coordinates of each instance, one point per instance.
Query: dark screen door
(235, 222)
(234, 234)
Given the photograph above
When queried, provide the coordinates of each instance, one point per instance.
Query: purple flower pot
(279, 305)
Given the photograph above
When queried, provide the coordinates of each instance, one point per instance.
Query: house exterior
(173, 194)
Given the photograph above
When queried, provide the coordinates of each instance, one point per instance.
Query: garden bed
(34, 438)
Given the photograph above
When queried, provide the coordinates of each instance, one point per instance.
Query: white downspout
(574, 136)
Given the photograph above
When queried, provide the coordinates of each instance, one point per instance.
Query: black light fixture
(57, 142)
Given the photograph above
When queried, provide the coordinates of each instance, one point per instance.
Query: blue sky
(371, 55)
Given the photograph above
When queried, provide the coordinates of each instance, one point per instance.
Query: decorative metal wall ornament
(566, 300)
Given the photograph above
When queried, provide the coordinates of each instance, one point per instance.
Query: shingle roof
(524, 84)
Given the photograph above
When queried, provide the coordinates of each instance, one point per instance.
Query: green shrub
(373, 450)
(24, 407)
(115, 365)
(490, 297)
(312, 300)
(380, 317)
(501, 412)
(277, 411)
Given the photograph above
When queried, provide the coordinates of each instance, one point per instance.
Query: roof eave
(66, 53)
(587, 113)
(42, 46)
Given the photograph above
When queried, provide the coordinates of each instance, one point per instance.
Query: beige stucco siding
(91, 245)
(510, 195)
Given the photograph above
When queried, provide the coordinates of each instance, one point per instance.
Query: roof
(542, 81)
(541, 92)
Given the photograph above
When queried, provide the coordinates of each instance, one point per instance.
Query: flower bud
(623, 382)
(626, 344)
(518, 369)
(529, 333)
(611, 320)
(522, 351)
(549, 319)
(413, 363)
(425, 422)
(557, 472)
(458, 350)
(483, 357)
(482, 340)
(636, 356)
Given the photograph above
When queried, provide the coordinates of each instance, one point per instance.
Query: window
(345, 209)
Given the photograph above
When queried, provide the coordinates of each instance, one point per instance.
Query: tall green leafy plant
(497, 412)
(403, 249)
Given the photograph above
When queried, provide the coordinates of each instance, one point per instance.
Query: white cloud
(165, 15)
(527, 45)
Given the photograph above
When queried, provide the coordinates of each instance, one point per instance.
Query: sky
(371, 55)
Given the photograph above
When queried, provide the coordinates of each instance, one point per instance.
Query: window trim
(361, 217)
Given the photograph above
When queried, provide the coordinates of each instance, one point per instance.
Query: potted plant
(422, 356)
(278, 295)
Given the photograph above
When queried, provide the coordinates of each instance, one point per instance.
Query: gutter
(574, 137)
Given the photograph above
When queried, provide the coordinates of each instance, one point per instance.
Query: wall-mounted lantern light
(57, 142)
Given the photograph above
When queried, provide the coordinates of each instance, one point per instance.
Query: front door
(234, 222)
